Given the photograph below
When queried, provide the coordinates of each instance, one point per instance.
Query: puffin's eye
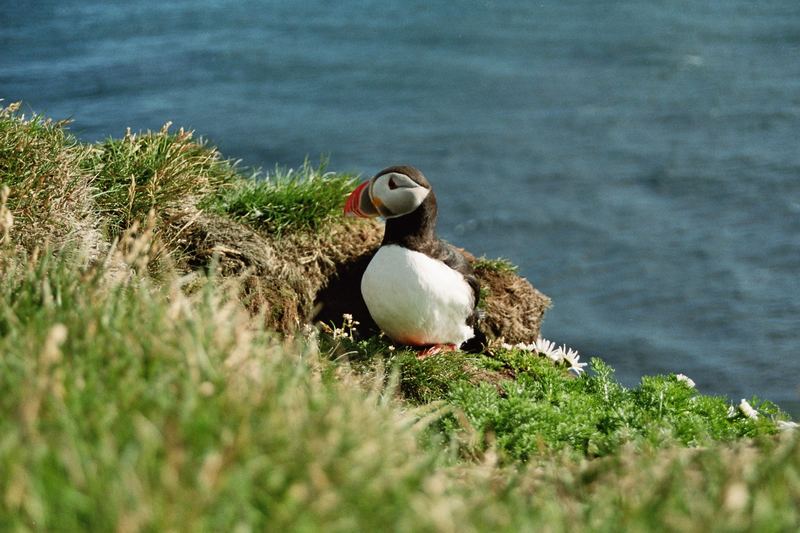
(392, 184)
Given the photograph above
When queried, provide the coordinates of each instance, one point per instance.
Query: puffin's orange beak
(359, 203)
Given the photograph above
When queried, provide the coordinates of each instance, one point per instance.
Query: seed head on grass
(6, 218)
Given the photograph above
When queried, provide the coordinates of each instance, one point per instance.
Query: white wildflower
(747, 409)
(787, 425)
(348, 329)
(310, 333)
(731, 411)
(686, 379)
(572, 359)
(547, 348)
(339, 333)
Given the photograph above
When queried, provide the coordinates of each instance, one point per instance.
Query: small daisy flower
(685, 379)
(747, 410)
(572, 358)
(785, 425)
(547, 348)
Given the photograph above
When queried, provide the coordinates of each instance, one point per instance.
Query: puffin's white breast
(415, 299)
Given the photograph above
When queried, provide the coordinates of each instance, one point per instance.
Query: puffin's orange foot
(436, 349)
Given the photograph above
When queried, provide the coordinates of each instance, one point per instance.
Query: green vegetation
(594, 416)
(40, 161)
(138, 406)
(153, 170)
(306, 199)
(499, 264)
(529, 406)
(141, 404)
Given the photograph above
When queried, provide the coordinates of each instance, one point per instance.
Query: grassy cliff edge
(160, 370)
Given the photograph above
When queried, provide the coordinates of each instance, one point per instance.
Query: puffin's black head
(392, 193)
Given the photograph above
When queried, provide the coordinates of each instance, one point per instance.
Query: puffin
(420, 290)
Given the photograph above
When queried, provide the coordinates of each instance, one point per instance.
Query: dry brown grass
(514, 308)
(282, 276)
(49, 192)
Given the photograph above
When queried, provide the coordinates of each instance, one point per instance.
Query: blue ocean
(639, 161)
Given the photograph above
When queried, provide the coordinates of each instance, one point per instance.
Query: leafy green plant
(545, 408)
(531, 404)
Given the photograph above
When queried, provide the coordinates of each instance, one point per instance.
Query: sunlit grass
(48, 191)
(133, 406)
(307, 198)
(499, 264)
(154, 170)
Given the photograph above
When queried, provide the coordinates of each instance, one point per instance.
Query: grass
(135, 407)
(308, 198)
(135, 404)
(153, 170)
(139, 407)
(40, 163)
(499, 264)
